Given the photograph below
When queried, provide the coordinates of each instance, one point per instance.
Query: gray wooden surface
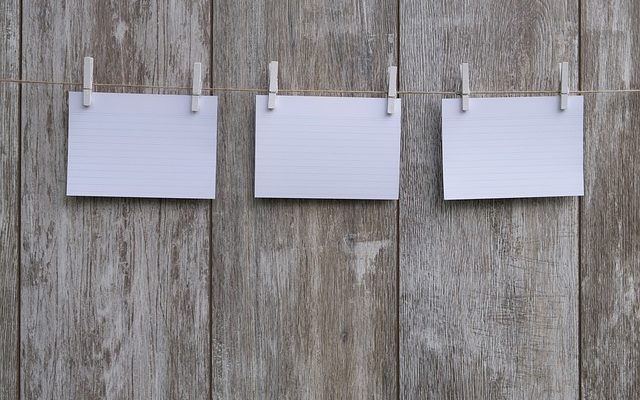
(610, 215)
(488, 289)
(284, 299)
(303, 291)
(9, 198)
(114, 292)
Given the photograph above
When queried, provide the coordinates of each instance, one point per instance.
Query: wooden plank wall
(303, 291)
(488, 300)
(610, 214)
(9, 198)
(114, 292)
(246, 298)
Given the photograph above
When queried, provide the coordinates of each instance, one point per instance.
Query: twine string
(325, 91)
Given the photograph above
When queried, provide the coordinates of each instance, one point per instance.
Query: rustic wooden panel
(304, 292)
(114, 291)
(9, 197)
(488, 301)
(610, 278)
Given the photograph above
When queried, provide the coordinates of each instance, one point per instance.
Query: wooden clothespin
(273, 84)
(197, 87)
(392, 79)
(564, 85)
(465, 92)
(87, 81)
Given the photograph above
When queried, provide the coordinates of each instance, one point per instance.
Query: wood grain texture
(9, 197)
(304, 292)
(114, 291)
(488, 289)
(610, 220)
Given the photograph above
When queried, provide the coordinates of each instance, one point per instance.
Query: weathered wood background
(242, 298)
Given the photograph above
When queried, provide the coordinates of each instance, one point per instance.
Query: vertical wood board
(9, 196)
(488, 289)
(303, 290)
(114, 291)
(610, 216)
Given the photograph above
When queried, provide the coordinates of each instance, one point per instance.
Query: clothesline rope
(336, 91)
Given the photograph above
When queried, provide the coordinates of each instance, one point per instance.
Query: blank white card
(512, 147)
(327, 148)
(142, 145)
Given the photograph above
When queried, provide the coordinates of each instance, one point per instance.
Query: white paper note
(512, 147)
(327, 148)
(142, 145)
